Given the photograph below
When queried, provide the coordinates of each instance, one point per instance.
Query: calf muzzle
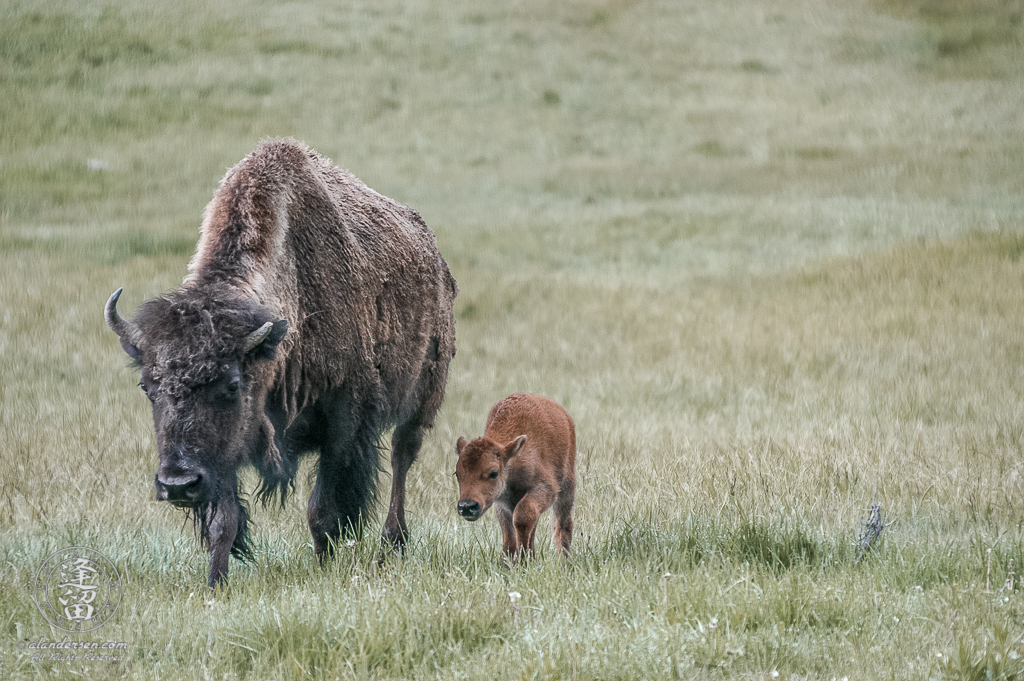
(469, 509)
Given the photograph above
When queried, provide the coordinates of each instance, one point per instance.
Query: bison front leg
(337, 504)
(405, 447)
(345, 486)
(223, 529)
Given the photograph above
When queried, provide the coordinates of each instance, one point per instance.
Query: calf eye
(233, 387)
(493, 475)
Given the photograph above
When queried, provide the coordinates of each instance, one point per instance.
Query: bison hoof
(392, 542)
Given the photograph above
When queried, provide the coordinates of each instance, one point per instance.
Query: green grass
(967, 38)
(769, 257)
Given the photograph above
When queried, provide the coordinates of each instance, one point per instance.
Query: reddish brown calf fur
(524, 463)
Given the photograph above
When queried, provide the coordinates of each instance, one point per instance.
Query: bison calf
(524, 463)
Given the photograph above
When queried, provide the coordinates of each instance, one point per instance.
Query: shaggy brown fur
(351, 307)
(524, 463)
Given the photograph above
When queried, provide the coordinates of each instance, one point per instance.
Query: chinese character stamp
(77, 589)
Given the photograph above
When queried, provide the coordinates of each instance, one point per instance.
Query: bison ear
(264, 340)
(277, 333)
(132, 351)
(513, 447)
(460, 444)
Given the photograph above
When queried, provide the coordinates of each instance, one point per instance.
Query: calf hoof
(520, 558)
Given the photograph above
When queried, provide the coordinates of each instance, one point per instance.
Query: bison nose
(185, 489)
(469, 509)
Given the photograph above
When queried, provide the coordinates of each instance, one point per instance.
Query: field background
(767, 254)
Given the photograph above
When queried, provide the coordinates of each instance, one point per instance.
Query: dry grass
(768, 256)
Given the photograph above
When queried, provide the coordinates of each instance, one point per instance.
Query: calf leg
(405, 446)
(525, 517)
(562, 517)
(510, 543)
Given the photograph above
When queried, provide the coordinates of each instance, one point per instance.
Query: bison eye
(231, 389)
(145, 390)
(493, 475)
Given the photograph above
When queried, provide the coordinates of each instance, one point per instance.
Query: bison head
(206, 363)
(481, 473)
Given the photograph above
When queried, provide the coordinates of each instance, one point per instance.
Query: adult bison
(316, 313)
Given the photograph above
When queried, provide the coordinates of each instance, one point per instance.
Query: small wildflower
(514, 596)
(351, 543)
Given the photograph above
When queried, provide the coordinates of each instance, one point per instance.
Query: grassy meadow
(768, 255)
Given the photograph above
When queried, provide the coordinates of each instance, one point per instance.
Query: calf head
(204, 365)
(482, 473)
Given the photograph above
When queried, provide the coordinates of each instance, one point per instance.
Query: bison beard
(316, 313)
(203, 517)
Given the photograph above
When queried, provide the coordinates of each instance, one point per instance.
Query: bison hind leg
(405, 447)
(408, 436)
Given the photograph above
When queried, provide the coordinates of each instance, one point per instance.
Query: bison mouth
(205, 516)
(187, 490)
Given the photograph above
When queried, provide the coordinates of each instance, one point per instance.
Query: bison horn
(257, 337)
(119, 324)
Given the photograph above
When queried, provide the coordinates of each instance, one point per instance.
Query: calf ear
(460, 444)
(513, 447)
